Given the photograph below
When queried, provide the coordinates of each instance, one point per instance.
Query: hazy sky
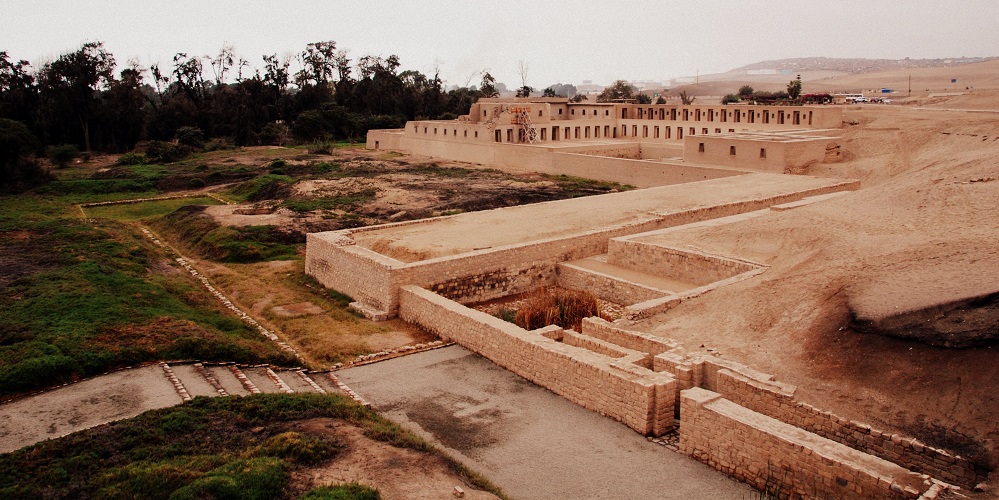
(565, 41)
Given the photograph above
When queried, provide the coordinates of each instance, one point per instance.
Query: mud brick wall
(638, 173)
(768, 453)
(691, 267)
(336, 263)
(602, 329)
(605, 287)
(775, 401)
(619, 389)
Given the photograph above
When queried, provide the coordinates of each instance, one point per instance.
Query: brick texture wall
(775, 456)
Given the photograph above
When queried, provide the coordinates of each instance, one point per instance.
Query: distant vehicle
(849, 98)
(860, 99)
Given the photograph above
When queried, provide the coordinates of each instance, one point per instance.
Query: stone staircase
(192, 379)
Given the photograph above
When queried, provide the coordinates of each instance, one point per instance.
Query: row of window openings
(736, 115)
(607, 131)
(731, 150)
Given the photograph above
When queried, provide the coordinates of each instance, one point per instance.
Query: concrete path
(524, 438)
(127, 393)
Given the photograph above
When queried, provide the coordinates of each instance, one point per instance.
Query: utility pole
(910, 85)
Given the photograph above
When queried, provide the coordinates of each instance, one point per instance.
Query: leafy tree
(18, 94)
(685, 99)
(71, 85)
(620, 89)
(525, 91)
(17, 171)
(550, 92)
(319, 62)
(730, 98)
(643, 99)
(578, 98)
(794, 88)
(488, 86)
(62, 154)
(661, 100)
(745, 91)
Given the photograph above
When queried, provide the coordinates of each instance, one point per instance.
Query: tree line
(83, 98)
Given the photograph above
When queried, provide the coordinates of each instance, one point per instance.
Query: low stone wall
(618, 388)
(335, 262)
(606, 287)
(777, 400)
(778, 457)
(683, 265)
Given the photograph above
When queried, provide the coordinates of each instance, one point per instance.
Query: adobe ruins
(698, 166)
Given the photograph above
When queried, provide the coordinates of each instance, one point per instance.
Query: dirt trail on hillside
(922, 229)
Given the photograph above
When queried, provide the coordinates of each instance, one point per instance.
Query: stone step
(177, 384)
(193, 380)
(264, 383)
(279, 382)
(210, 378)
(244, 380)
(294, 380)
(228, 380)
(323, 380)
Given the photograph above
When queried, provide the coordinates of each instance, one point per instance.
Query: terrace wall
(617, 388)
(772, 455)
(683, 265)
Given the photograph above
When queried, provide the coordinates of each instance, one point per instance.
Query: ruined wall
(619, 389)
(775, 401)
(682, 265)
(335, 262)
(610, 288)
(770, 454)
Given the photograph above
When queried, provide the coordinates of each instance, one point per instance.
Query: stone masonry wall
(617, 388)
(778, 457)
(683, 265)
(336, 263)
(610, 288)
(774, 400)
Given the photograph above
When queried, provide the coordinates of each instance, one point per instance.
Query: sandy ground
(82, 405)
(923, 229)
(394, 472)
(494, 228)
(525, 439)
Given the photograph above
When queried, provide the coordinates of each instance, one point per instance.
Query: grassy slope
(78, 297)
(220, 448)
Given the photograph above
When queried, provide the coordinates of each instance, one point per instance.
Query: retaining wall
(777, 401)
(606, 287)
(683, 265)
(775, 456)
(617, 388)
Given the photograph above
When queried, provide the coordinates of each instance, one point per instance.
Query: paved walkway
(524, 438)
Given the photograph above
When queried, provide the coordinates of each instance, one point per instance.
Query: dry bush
(557, 306)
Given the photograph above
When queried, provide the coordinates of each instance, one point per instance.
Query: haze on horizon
(565, 41)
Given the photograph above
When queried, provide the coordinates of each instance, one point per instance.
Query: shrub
(729, 99)
(165, 152)
(196, 183)
(556, 306)
(320, 148)
(62, 155)
(132, 159)
(191, 137)
(220, 143)
(274, 134)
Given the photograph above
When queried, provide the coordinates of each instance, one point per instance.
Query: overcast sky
(564, 41)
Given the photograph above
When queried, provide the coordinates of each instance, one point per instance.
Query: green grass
(147, 209)
(77, 299)
(202, 234)
(579, 186)
(344, 201)
(235, 447)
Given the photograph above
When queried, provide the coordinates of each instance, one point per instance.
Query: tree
(72, 84)
(620, 89)
(685, 99)
(550, 92)
(17, 171)
(578, 98)
(525, 91)
(745, 91)
(794, 88)
(488, 86)
(661, 100)
(643, 98)
(18, 94)
(319, 61)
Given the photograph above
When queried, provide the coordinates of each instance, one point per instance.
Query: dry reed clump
(556, 306)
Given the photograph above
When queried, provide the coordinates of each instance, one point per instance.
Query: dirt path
(525, 439)
(86, 404)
